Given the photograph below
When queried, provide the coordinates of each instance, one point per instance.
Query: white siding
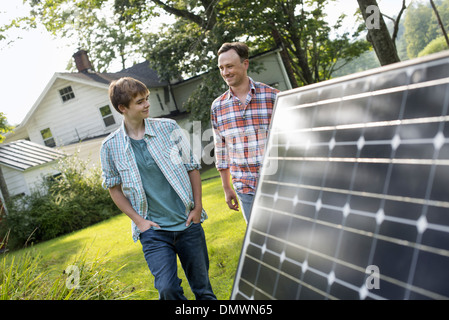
(272, 73)
(33, 176)
(75, 119)
(15, 181)
(18, 134)
(158, 106)
(184, 90)
(19, 182)
(86, 150)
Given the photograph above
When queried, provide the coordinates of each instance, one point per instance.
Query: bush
(71, 201)
(437, 45)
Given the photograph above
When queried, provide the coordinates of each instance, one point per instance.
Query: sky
(29, 63)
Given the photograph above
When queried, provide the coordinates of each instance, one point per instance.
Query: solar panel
(352, 201)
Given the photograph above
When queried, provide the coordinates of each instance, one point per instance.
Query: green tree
(297, 26)
(108, 30)
(121, 28)
(4, 126)
(16, 23)
(189, 46)
(440, 21)
(421, 25)
(417, 29)
(436, 45)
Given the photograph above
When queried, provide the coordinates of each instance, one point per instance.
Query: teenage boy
(153, 178)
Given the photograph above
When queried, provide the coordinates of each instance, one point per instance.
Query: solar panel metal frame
(387, 238)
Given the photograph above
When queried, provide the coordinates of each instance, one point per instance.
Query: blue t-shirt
(165, 207)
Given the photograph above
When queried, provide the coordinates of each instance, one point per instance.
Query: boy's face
(139, 107)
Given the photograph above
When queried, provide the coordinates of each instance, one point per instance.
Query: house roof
(22, 154)
(143, 72)
(140, 71)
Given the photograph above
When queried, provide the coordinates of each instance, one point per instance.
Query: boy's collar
(149, 130)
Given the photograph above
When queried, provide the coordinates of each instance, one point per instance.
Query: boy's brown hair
(239, 47)
(123, 90)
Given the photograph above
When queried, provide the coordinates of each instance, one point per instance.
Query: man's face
(233, 71)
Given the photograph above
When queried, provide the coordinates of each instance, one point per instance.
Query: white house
(74, 114)
(23, 163)
(75, 107)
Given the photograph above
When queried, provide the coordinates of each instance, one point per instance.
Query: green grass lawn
(111, 239)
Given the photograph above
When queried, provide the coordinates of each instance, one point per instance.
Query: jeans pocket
(145, 233)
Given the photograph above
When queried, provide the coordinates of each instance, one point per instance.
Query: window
(48, 138)
(54, 178)
(67, 94)
(107, 116)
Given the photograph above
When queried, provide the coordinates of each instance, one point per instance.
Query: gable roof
(22, 154)
(140, 71)
(143, 72)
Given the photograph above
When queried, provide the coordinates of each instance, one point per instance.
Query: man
(240, 119)
(161, 194)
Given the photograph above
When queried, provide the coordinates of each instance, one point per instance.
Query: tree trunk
(379, 36)
(440, 22)
(285, 58)
(297, 50)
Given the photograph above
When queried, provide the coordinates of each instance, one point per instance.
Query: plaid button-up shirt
(171, 151)
(240, 133)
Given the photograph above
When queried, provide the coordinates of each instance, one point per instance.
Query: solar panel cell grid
(362, 165)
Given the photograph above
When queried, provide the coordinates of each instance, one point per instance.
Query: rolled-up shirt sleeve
(110, 174)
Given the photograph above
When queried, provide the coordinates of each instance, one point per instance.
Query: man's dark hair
(239, 47)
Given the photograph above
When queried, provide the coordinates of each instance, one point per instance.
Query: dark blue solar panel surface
(355, 177)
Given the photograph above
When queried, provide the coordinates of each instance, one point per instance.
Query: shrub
(436, 45)
(71, 201)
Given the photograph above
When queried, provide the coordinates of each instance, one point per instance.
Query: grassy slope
(224, 230)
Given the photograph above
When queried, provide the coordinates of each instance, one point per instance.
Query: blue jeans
(246, 203)
(160, 249)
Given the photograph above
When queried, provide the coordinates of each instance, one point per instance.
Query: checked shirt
(171, 151)
(240, 133)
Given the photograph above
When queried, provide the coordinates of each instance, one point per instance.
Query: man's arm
(125, 206)
(230, 195)
(195, 181)
(221, 157)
